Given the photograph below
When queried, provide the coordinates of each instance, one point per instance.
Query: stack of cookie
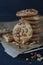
(31, 16)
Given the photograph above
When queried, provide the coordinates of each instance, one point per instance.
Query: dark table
(5, 59)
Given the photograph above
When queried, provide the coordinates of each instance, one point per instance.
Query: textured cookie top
(27, 12)
(22, 32)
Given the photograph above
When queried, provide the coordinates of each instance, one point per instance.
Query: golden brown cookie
(22, 32)
(34, 22)
(36, 35)
(27, 12)
(35, 26)
(31, 22)
(35, 39)
(36, 30)
(32, 18)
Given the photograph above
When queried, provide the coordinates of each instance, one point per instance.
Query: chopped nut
(38, 59)
(13, 42)
(31, 43)
(38, 55)
(41, 58)
(30, 62)
(27, 59)
(17, 44)
(32, 53)
(34, 56)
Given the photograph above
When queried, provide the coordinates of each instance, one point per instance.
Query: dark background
(8, 8)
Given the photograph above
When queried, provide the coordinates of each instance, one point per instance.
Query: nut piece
(27, 59)
(41, 58)
(32, 53)
(30, 62)
(38, 55)
(38, 59)
(8, 37)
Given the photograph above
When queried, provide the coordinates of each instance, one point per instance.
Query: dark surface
(8, 8)
(20, 60)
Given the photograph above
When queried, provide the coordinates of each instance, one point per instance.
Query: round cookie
(34, 22)
(31, 22)
(32, 18)
(35, 26)
(22, 32)
(36, 30)
(36, 35)
(35, 39)
(27, 12)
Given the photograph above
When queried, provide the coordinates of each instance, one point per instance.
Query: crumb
(32, 53)
(38, 59)
(30, 62)
(38, 55)
(27, 59)
(41, 58)
(32, 43)
(13, 42)
(17, 44)
(34, 56)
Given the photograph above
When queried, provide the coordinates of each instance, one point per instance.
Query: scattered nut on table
(27, 59)
(39, 55)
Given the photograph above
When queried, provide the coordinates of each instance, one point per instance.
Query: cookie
(27, 12)
(4, 31)
(36, 30)
(35, 39)
(36, 35)
(35, 26)
(32, 18)
(31, 22)
(22, 32)
(34, 22)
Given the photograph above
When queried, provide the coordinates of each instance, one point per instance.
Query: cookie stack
(31, 16)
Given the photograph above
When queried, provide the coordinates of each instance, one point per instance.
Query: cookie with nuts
(27, 12)
(32, 18)
(22, 32)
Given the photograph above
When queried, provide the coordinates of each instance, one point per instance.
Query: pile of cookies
(27, 30)
(32, 17)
